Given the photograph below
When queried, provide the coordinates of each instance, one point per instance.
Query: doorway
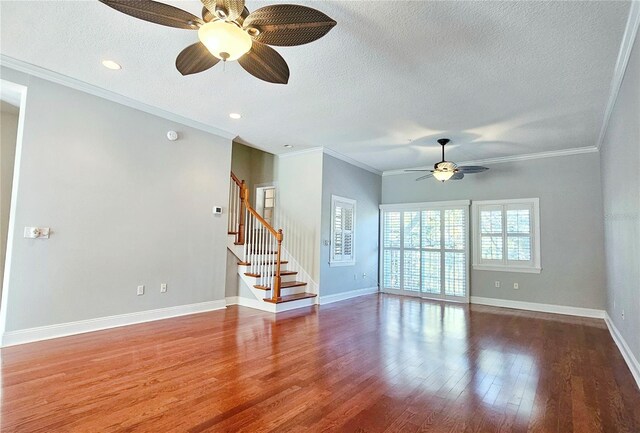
(12, 105)
(266, 202)
(425, 250)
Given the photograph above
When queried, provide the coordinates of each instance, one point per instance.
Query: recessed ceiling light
(288, 146)
(235, 115)
(110, 64)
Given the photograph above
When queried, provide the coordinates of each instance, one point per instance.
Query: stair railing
(262, 243)
(236, 214)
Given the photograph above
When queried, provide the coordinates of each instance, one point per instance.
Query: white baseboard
(543, 308)
(328, 299)
(628, 356)
(30, 335)
(251, 303)
(268, 307)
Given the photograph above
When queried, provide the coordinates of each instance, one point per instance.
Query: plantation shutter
(343, 219)
(425, 249)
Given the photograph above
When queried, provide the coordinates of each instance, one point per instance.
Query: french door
(425, 250)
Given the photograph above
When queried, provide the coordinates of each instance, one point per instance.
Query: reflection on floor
(372, 364)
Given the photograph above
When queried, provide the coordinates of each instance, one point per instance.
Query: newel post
(244, 198)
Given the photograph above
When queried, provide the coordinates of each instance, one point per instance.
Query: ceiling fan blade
(457, 176)
(287, 25)
(232, 9)
(195, 58)
(155, 12)
(265, 63)
(420, 169)
(469, 169)
(426, 176)
(207, 15)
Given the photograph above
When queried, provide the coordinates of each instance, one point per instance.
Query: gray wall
(126, 207)
(620, 154)
(254, 166)
(298, 207)
(8, 134)
(232, 278)
(572, 252)
(346, 180)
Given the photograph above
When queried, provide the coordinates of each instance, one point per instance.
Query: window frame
(505, 265)
(332, 260)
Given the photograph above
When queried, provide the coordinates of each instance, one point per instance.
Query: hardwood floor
(377, 363)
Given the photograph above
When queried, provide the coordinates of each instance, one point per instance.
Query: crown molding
(626, 46)
(54, 77)
(503, 159)
(299, 152)
(351, 161)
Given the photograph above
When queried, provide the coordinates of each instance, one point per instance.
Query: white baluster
(246, 233)
(259, 249)
(262, 268)
(272, 247)
(232, 208)
(251, 246)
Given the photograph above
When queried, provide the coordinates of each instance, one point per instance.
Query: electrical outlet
(364, 275)
(140, 290)
(497, 283)
(355, 276)
(163, 288)
(515, 286)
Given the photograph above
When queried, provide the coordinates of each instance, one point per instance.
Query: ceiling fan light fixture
(443, 175)
(224, 40)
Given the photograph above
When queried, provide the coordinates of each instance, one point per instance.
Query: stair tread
(232, 233)
(284, 262)
(282, 273)
(285, 285)
(289, 298)
(292, 284)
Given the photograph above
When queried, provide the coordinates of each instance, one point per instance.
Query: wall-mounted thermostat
(36, 232)
(217, 210)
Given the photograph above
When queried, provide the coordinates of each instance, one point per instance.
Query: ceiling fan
(447, 170)
(227, 31)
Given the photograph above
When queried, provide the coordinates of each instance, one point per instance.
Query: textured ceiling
(500, 78)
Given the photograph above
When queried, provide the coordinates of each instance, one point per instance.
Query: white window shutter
(343, 220)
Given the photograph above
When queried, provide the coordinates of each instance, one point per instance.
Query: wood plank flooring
(377, 363)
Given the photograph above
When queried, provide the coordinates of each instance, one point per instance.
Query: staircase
(274, 279)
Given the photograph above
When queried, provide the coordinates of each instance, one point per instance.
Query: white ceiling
(500, 78)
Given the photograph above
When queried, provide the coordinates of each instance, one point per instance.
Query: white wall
(126, 207)
(8, 135)
(346, 180)
(298, 207)
(620, 155)
(572, 251)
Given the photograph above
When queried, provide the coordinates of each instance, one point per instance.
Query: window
(425, 249)
(343, 230)
(507, 235)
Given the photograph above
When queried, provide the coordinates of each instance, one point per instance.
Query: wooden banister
(246, 234)
(235, 179)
